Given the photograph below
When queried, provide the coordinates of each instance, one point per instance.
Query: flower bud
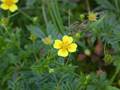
(47, 40)
(87, 52)
(51, 70)
(92, 16)
(108, 58)
(4, 21)
(82, 16)
(32, 37)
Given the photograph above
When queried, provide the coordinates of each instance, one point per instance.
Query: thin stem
(36, 58)
(114, 76)
(69, 16)
(117, 5)
(66, 60)
(45, 17)
(10, 16)
(88, 5)
(27, 16)
(44, 14)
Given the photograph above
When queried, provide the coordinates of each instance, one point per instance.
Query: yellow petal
(67, 39)
(13, 1)
(57, 44)
(63, 52)
(72, 47)
(3, 0)
(13, 8)
(4, 6)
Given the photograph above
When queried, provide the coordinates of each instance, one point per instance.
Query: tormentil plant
(65, 46)
(9, 5)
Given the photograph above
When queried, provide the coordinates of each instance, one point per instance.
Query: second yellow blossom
(92, 16)
(9, 5)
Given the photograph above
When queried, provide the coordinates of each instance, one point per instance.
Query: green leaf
(111, 88)
(35, 30)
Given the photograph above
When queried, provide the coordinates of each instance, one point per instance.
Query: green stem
(13, 15)
(117, 5)
(44, 14)
(27, 16)
(45, 17)
(114, 76)
(88, 5)
(36, 58)
(69, 16)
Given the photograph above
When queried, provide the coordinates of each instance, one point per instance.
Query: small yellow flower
(9, 5)
(92, 16)
(65, 46)
(47, 40)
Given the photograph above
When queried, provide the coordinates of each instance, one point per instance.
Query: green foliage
(28, 63)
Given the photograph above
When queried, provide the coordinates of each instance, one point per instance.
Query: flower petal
(67, 39)
(63, 53)
(57, 44)
(72, 47)
(4, 6)
(3, 0)
(13, 8)
(14, 1)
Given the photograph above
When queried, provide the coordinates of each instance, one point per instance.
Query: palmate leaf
(105, 30)
(50, 30)
(110, 6)
(35, 30)
(106, 4)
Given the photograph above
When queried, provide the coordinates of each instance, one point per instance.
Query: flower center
(65, 46)
(9, 2)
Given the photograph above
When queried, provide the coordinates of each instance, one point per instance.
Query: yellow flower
(9, 5)
(92, 16)
(47, 40)
(65, 46)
